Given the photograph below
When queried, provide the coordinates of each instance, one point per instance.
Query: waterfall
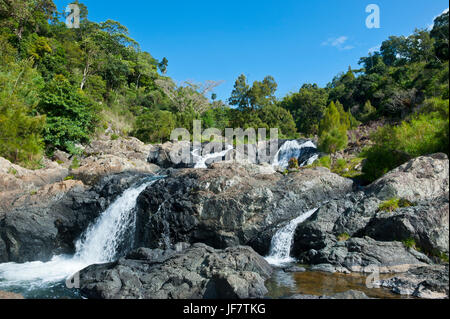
(202, 160)
(291, 149)
(280, 249)
(102, 242)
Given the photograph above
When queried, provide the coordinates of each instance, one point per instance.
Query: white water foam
(291, 149)
(99, 244)
(202, 160)
(280, 250)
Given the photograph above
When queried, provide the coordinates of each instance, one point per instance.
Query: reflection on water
(283, 284)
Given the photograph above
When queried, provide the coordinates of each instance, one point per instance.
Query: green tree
(307, 107)
(71, 115)
(154, 127)
(332, 131)
(20, 126)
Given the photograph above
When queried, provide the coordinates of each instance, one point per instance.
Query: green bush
(293, 163)
(425, 133)
(343, 237)
(333, 129)
(71, 116)
(154, 127)
(393, 204)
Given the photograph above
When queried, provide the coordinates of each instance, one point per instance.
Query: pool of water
(284, 284)
(56, 290)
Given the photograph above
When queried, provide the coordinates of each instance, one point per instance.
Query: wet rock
(427, 224)
(38, 225)
(350, 294)
(196, 272)
(425, 282)
(294, 269)
(343, 229)
(365, 255)
(230, 205)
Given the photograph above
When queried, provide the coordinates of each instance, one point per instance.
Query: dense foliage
(59, 86)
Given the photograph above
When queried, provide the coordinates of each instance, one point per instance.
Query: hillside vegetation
(59, 87)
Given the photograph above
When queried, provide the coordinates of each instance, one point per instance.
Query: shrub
(411, 244)
(114, 137)
(293, 163)
(75, 163)
(333, 130)
(393, 204)
(425, 133)
(343, 237)
(71, 116)
(154, 127)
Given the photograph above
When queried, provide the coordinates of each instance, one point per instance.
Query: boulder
(324, 237)
(127, 148)
(195, 272)
(36, 226)
(422, 178)
(230, 205)
(93, 168)
(426, 223)
(424, 282)
(364, 255)
(13, 177)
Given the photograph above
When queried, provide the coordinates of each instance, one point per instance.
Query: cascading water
(202, 160)
(101, 243)
(293, 149)
(280, 250)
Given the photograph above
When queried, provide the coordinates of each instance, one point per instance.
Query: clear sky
(295, 41)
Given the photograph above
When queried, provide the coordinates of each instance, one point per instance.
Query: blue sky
(295, 41)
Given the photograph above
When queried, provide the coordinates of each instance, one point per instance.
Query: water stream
(111, 235)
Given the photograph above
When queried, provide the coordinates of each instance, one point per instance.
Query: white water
(202, 160)
(280, 250)
(99, 244)
(292, 149)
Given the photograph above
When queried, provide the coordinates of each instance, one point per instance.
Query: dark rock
(426, 223)
(37, 226)
(196, 272)
(425, 282)
(322, 238)
(230, 205)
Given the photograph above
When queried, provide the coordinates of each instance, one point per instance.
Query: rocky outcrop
(191, 272)
(93, 168)
(351, 233)
(259, 153)
(13, 177)
(35, 226)
(426, 224)
(424, 282)
(128, 148)
(422, 178)
(365, 255)
(230, 205)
